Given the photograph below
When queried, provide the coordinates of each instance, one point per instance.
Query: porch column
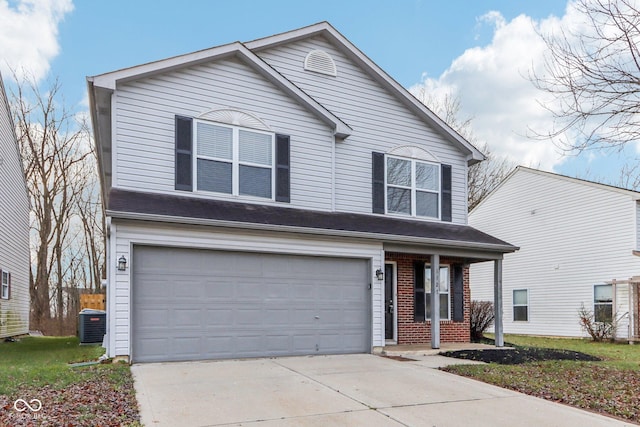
(497, 302)
(435, 301)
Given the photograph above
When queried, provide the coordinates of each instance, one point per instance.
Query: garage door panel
(224, 304)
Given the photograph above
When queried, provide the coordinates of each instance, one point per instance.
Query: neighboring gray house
(576, 238)
(14, 230)
(283, 196)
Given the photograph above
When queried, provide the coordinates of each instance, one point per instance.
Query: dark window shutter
(184, 153)
(377, 191)
(458, 293)
(283, 169)
(419, 291)
(9, 293)
(446, 192)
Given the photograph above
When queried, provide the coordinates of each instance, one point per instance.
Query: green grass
(620, 355)
(99, 394)
(33, 362)
(609, 386)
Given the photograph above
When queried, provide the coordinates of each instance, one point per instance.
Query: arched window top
(413, 152)
(321, 62)
(235, 117)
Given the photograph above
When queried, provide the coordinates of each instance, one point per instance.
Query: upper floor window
(412, 187)
(234, 160)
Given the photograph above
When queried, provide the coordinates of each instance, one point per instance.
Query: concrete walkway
(349, 390)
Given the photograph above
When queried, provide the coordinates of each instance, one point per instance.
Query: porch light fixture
(379, 274)
(122, 263)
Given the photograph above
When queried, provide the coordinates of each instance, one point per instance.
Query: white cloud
(492, 84)
(29, 35)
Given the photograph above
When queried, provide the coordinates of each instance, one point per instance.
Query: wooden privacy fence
(93, 301)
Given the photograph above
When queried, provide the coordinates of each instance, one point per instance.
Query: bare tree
(593, 74)
(482, 177)
(56, 153)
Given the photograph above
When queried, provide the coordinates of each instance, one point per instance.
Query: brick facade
(411, 332)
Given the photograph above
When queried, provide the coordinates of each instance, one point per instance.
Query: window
(4, 285)
(234, 160)
(422, 295)
(412, 187)
(520, 305)
(603, 303)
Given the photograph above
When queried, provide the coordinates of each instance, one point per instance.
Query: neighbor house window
(412, 187)
(603, 303)
(422, 295)
(4, 285)
(520, 305)
(234, 160)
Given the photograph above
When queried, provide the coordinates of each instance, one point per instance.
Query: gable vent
(321, 62)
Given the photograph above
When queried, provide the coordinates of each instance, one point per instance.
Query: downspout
(333, 174)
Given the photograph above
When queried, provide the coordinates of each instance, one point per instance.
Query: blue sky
(478, 49)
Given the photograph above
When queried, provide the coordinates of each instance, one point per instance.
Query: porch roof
(136, 205)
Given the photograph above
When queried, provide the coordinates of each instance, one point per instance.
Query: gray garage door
(196, 304)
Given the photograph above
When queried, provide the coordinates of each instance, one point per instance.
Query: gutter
(496, 248)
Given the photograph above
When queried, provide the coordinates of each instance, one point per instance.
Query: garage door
(193, 304)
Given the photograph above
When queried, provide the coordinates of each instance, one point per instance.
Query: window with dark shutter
(458, 293)
(377, 191)
(5, 284)
(184, 152)
(446, 193)
(283, 169)
(418, 292)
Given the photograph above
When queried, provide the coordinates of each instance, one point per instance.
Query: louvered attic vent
(321, 62)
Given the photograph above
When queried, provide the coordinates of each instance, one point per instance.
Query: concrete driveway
(349, 390)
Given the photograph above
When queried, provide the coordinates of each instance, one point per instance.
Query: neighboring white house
(283, 196)
(14, 230)
(576, 238)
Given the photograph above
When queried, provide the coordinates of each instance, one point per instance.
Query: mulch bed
(520, 355)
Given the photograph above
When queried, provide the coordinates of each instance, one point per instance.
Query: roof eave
(324, 28)
(109, 81)
(390, 238)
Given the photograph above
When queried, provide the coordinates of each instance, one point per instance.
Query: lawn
(609, 386)
(39, 368)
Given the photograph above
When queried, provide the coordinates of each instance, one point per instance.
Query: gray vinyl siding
(380, 123)
(572, 235)
(14, 228)
(637, 247)
(144, 124)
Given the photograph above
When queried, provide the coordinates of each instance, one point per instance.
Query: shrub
(598, 331)
(482, 315)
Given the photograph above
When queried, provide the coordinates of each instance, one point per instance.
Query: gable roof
(634, 195)
(378, 74)
(102, 86)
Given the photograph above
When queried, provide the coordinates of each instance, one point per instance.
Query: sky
(479, 50)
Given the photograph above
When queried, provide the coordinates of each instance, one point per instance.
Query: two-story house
(14, 230)
(283, 196)
(579, 242)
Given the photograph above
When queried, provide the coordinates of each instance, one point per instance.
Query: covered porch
(427, 295)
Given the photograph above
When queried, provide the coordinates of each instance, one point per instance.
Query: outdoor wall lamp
(122, 263)
(379, 274)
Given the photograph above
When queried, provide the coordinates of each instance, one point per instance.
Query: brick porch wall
(410, 332)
